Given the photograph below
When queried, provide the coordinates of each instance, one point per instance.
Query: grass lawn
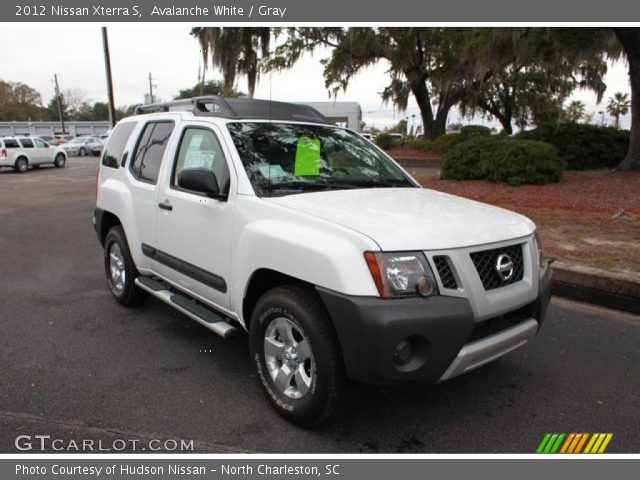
(592, 218)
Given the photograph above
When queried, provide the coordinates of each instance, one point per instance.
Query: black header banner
(262, 11)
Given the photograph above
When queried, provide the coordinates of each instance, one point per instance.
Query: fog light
(425, 286)
(402, 353)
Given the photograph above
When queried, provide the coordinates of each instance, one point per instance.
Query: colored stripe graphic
(574, 443)
(543, 443)
(567, 443)
(581, 442)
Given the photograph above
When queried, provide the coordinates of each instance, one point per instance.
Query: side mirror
(199, 180)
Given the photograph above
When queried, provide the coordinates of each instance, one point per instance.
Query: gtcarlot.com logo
(46, 443)
(574, 443)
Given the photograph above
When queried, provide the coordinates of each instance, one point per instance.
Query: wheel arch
(264, 279)
(106, 222)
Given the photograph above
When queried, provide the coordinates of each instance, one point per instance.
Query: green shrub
(470, 131)
(446, 142)
(503, 159)
(384, 141)
(525, 161)
(583, 146)
(423, 144)
(470, 160)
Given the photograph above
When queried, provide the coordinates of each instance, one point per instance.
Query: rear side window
(116, 144)
(26, 143)
(150, 150)
(11, 143)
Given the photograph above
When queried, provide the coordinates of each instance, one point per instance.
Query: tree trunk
(421, 92)
(630, 40)
(440, 124)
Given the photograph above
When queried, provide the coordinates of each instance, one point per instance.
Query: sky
(172, 56)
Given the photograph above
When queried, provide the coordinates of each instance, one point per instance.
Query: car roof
(237, 109)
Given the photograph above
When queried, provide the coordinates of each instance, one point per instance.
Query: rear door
(143, 171)
(194, 231)
(29, 149)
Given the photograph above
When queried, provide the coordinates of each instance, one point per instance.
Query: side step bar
(196, 311)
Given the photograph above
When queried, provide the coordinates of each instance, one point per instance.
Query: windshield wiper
(374, 183)
(294, 185)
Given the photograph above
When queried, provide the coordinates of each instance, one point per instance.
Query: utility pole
(107, 70)
(59, 98)
(150, 89)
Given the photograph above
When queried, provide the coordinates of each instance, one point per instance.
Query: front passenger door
(193, 230)
(43, 154)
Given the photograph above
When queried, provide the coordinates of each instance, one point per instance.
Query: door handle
(165, 205)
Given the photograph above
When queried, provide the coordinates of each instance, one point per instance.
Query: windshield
(281, 159)
(78, 140)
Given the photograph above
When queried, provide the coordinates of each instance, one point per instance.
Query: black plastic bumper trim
(370, 328)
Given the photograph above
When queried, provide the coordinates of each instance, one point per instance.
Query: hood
(412, 218)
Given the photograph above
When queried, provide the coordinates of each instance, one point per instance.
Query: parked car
(50, 139)
(62, 139)
(97, 149)
(80, 146)
(20, 153)
(249, 215)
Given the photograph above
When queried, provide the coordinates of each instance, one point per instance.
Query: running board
(205, 316)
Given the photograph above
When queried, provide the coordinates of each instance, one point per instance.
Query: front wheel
(120, 270)
(82, 152)
(60, 160)
(296, 353)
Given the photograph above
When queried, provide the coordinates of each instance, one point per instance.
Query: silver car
(80, 146)
(20, 153)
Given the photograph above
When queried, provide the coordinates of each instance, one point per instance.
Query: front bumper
(445, 337)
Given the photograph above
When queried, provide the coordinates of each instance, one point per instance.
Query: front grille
(446, 274)
(485, 263)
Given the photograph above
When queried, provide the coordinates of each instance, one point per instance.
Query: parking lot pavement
(75, 365)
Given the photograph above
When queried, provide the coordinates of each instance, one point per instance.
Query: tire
(120, 270)
(21, 165)
(60, 160)
(82, 152)
(289, 316)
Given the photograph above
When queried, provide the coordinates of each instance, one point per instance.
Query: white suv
(20, 153)
(263, 216)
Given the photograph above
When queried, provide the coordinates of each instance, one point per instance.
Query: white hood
(412, 218)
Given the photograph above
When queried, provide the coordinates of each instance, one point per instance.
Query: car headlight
(541, 256)
(401, 274)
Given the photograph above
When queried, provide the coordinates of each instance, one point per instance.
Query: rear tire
(82, 152)
(60, 160)
(21, 165)
(297, 356)
(120, 269)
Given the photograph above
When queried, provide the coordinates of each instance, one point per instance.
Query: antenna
(270, 103)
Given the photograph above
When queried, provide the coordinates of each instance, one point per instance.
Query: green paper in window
(307, 157)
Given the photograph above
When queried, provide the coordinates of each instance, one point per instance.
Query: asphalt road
(75, 365)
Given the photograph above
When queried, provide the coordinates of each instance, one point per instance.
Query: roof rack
(238, 108)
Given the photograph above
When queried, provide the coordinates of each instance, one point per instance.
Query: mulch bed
(400, 153)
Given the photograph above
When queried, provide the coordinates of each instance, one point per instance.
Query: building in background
(345, 114)
(9, 129)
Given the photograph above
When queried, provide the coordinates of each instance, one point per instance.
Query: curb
(598, 287)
